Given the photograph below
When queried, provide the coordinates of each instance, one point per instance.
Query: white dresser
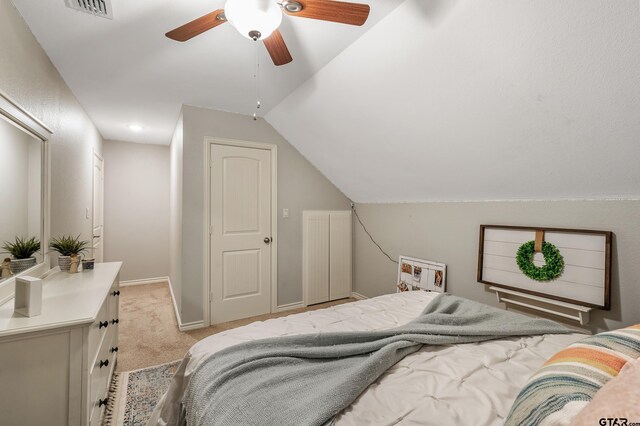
(55, 368)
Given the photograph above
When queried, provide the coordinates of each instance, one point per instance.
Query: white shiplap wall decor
(586, 278)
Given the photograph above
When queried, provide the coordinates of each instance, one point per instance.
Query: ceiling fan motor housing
(292, 6)
(260, 19)
(253, 19)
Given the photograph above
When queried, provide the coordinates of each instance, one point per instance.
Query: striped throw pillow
(570, 378)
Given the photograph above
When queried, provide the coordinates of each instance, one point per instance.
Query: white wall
(478, 100)
(175, 215)
(448, 232)
(28, 76)
(136, 208)
(300, 187)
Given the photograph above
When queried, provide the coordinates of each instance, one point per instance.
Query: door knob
(267, 240)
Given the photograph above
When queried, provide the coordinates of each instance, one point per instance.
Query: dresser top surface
(67, 300)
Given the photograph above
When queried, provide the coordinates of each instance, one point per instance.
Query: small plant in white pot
(22, 251)
(69, 249)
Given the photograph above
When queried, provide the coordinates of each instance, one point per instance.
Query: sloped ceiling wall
(479, 100)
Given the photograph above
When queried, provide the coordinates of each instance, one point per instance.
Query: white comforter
(468, 384)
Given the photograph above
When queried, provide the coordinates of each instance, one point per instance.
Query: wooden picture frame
(483, 271)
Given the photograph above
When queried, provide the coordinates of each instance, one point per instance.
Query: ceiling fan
(260, 19)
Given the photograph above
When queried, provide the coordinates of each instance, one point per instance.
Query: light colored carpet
(148, 329)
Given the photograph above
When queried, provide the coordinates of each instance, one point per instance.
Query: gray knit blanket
(308, 379)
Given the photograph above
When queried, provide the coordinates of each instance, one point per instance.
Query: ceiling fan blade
(334, 11)
(197, 26)
(277, 49)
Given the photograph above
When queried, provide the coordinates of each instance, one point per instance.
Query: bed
(472, 383)
(547, 376)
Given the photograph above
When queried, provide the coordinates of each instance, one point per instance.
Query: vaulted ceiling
(479, 100)
(126, 71)
(432, 100)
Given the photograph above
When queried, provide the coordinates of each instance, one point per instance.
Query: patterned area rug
(134, 394)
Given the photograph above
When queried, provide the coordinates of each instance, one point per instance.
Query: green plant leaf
(22, 248)
(68, 245)
(554, 262)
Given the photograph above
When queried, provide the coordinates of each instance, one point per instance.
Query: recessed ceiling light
(135, 127)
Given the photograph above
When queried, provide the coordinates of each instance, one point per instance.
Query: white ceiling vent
(95, 7)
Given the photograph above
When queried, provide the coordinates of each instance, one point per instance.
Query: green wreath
(554, 262)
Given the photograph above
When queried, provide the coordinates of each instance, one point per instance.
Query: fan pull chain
(256, 76)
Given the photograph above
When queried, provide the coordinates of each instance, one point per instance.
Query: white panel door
(98, 207)
(316, 256)
(340, 255)
(240, 264)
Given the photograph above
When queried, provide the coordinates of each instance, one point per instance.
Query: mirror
(23, 172)
(21, 212)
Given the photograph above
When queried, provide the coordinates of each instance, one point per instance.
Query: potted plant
(68, 247)
(22, 251)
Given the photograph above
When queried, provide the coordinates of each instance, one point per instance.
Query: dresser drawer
(110, 345)
(103, 340)
(100, 377)
(98, 329)
(98, 407)
(97, 412)
(113, 300)
(99, 374)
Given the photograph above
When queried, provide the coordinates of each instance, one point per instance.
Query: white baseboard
(182, 326)
(175, 305)
(191, 325)
(144, 281)
(289, 306)
(358, 296)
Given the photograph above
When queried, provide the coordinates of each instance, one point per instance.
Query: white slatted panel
(316, 256)
(340, 255)
(583, 278)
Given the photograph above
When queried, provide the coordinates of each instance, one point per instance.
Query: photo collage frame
(419, 274)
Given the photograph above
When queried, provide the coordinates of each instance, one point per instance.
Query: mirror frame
(26, 122)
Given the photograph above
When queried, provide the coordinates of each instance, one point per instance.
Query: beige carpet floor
(148, 330)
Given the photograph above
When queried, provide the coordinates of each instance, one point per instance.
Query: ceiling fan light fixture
(251, 17)
(291, 6)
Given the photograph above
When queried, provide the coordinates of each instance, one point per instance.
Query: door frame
(100, 158)
(206, 288)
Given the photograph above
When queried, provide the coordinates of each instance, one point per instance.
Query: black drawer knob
(116, 293)
(115, 321)
(104, 363)
(114, 349)
(102, 402)
(104, 324)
